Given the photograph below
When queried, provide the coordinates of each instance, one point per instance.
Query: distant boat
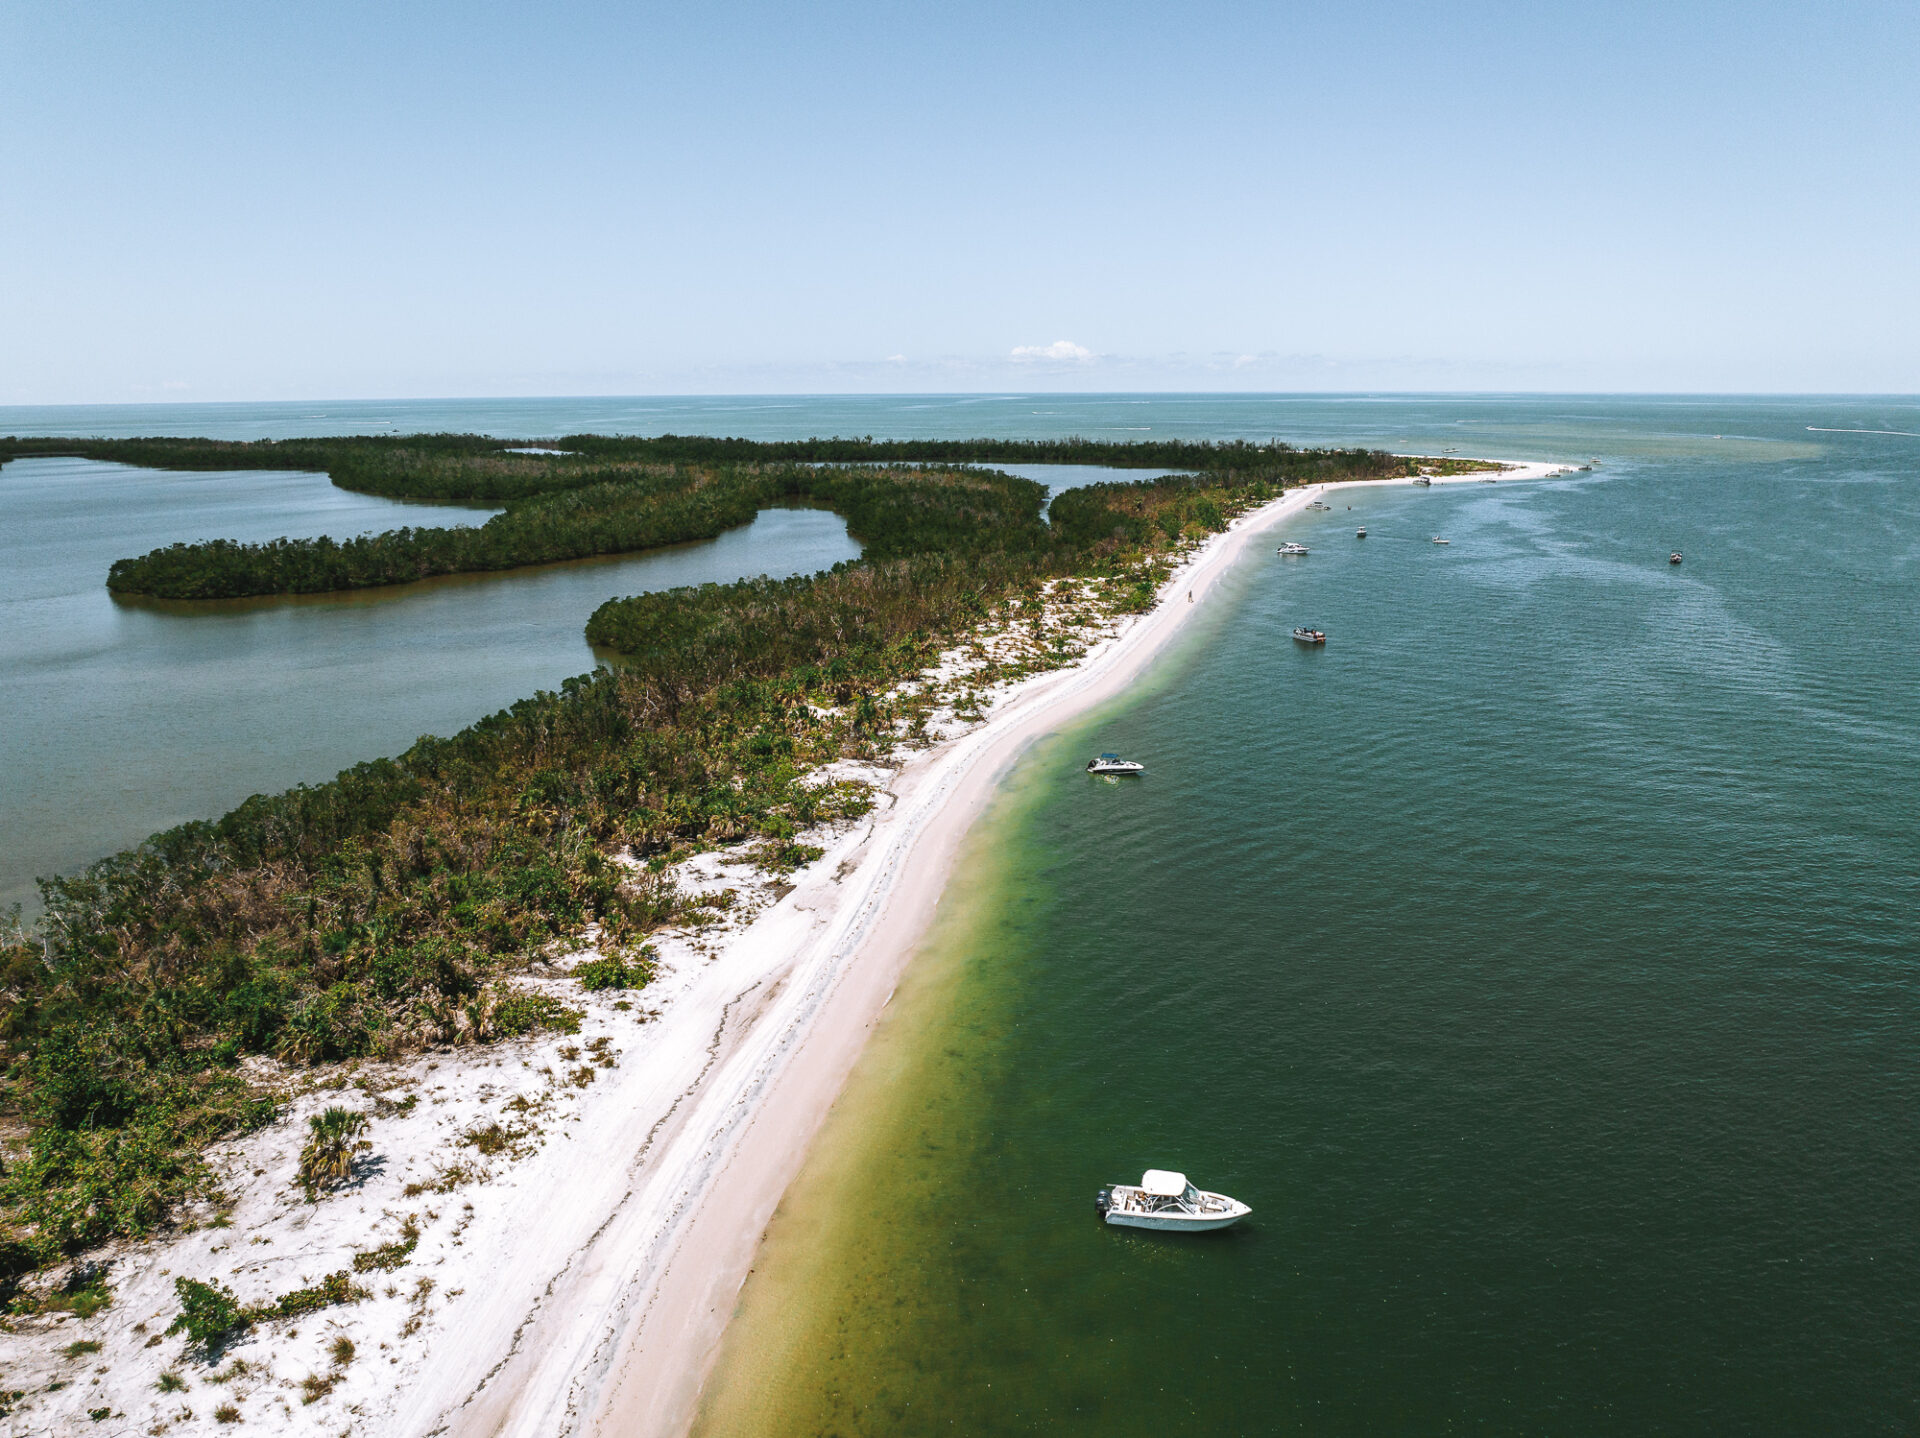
(1438, 540)
(1114, 764)
(1674, 558)
(1424, 480)
(1166, 1201)
(1316, 504)
(1310, 636)
(1489, 481)
(1361, 532)
(1293, 547)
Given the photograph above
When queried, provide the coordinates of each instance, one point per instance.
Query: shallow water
(1540, 959)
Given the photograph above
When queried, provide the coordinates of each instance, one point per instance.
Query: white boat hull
(1176, 1222)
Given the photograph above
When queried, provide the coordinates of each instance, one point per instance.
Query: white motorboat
(1114, 764)
(1438, 540)
(1361, 532)
(1426, 480)
(1675, 557)
(1316, 504)
(1167, 1201)
(1310, 636)
(1293, 547)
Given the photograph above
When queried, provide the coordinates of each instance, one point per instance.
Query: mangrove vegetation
(391, 909)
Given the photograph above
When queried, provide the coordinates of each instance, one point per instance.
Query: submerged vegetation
(391, 909)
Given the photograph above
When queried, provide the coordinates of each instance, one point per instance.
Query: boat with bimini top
(1293, 547)
(1166, 1201)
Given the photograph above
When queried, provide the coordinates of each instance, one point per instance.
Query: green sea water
(1540, 959)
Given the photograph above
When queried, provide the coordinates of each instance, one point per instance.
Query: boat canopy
(1162, 1183)
(1109, 756)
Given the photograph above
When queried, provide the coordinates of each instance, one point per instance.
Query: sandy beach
(580, 1281)
(712, 1196)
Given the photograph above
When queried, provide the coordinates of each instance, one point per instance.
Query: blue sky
(240, 201)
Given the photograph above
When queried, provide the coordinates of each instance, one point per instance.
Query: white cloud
(1058, 350)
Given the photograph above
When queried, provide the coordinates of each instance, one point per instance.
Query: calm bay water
(1541, 960)
(118, 719)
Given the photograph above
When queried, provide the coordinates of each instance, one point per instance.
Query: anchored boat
(1114, 764)
(1361, 532)
(1310, 636)
(1293, 547)
(1674, 558)
(1438, 540)
(1166, 1201)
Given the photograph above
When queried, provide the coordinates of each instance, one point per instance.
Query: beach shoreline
(576, 1274)
(651, 1381)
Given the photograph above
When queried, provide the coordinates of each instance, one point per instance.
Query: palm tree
(327, 1157)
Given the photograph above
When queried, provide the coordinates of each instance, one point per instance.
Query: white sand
(582, 1285)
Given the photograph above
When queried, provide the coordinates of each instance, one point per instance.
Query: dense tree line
(450, 466)
(574, 524)
(387, 910)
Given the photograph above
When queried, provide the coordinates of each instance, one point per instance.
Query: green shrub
(519, 1013)
(389, 1256)
(784, 858)
(329, 1292)
(209, 1313)
(617, 971)
(18, 1258)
